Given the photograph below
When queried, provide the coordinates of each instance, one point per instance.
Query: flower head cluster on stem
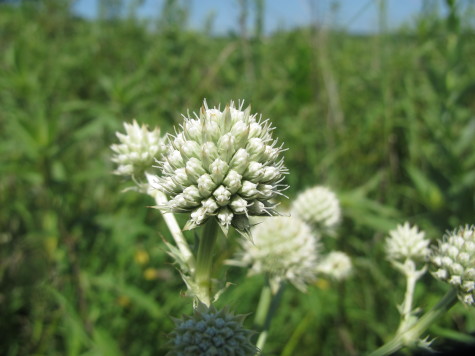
(454, 262)
(223, 165)
(137, 151)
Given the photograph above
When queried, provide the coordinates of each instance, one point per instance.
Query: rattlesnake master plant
(137, 151)
(454, 260)
(406, 242)
(209, 332)
(223, 165)
(336, 265)
(319, 207)
(285, 249)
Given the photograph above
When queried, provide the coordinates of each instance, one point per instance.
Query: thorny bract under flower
(223, 165)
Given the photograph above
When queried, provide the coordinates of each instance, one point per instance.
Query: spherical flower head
(318, 206)
(454, 262)
(406, 242)
(137, 151)
(336, 265)
(211, 332)
(223, 165)
(285, 249)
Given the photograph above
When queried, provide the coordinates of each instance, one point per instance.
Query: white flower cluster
(137, 151)
(406, 242)
(285, 249)
(336, 265)
(318, 206)
(222, 164)
(209, 332)
(454, 259)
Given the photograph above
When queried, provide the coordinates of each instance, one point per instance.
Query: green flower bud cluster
(222, 164)
(137, 151)
(336, 265)
(454, 259)
(209, 332)
(406, 242)
(285, 249)
(317, 206)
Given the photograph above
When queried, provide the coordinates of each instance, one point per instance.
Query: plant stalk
(173, 226)
(267, 307)
(413, 333)
(204, 261)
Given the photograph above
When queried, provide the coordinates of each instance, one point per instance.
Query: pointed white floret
(407, 242)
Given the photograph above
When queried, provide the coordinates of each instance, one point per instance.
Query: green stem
(411, 279)
(173, 226)
(412, 334)
(204, 261)
(267, 307)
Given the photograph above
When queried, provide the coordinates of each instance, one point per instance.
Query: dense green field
(387, 121)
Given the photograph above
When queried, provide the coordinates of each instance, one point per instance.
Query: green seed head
(209, 332)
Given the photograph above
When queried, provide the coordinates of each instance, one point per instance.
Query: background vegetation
(386, 120)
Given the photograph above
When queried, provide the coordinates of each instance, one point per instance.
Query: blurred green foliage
(386, 120)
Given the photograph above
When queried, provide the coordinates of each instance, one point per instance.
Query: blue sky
(359, 16)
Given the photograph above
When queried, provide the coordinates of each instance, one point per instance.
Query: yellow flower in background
(150, 274)
(123, 301)
(141, 257)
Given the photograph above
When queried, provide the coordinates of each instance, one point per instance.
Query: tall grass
(386, 120)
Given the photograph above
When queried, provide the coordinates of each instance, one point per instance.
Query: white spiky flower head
(454, 260)
(137, 151)
(211, 332)
(318, 206)
(285, 249)
(223, 165)
(336, 265)
(406, 242)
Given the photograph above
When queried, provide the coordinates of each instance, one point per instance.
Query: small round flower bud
(137, 151)
(233, 181)
(318, 206)
(211, 332)
(454, 262)
(228, 156)
(406, 242)
(284, 248)
(336, 265)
